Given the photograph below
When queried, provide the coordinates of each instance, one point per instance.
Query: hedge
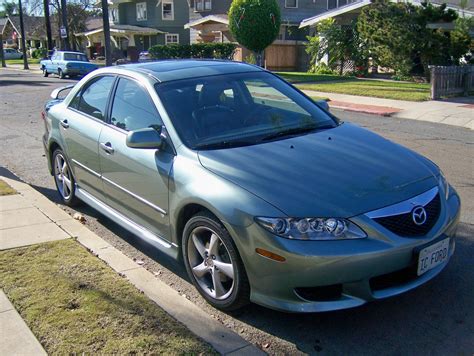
(196, 50)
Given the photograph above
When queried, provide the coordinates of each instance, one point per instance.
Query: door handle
(64, 123)
(107, 147)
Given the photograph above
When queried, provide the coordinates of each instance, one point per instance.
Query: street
(437, 318)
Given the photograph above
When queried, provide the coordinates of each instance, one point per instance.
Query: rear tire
(214, 264)
(61, 74)
(45, 72)
(63, 178)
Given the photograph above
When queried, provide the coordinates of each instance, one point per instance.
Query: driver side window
(133, 108)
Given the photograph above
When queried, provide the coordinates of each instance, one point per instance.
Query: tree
(9, 9)
(255, 24)
(390, 32)
(409, 38)
(341, 43)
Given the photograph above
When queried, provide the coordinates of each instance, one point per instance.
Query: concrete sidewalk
(456, 111)
(30, 218)
(34, 68)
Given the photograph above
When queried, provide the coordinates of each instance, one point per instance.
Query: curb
(222, 339)
(362, 108)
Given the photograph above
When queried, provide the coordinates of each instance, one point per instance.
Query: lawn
(374, 88)
(5, 189)
(75, 304)
(302, 77)
(362, 87)
(20, 61)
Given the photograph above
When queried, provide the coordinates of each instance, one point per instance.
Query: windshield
(239, 109)
(75, 57)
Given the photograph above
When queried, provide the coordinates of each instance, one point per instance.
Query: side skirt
(170, 249)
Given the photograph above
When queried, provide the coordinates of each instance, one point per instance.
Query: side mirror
(145, 138)
(55, 93)
(323, 104)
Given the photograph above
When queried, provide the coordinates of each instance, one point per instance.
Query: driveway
(437, 318)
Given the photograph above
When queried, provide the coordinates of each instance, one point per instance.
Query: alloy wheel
(211, 263)
(62, 174)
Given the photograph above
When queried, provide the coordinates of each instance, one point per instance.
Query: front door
(135, 180)
(81, 129)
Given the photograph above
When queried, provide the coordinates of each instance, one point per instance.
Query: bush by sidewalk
(195, 50)
(74, 304)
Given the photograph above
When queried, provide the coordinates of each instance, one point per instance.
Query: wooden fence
(453, 80)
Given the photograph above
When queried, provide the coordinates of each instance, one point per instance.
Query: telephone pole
(23, 42)
(106, 24)
(48, 25)
(65, 34)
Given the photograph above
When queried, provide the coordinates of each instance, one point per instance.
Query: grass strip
(302, 77)
(5, 189)
(374, 88)
(20, 61)
(76, 304)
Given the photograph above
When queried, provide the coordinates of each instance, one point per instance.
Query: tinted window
(245, 108)
(93, 99)
(133, 108)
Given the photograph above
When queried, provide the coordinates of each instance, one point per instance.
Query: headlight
(444, 184)
(312, 228)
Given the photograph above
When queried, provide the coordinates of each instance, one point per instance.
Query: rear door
(135, 180)
(81, 128)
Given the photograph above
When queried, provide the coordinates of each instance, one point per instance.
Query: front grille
(403, 224)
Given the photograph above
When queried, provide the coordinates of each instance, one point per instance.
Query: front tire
(63, 178)
(213, 263)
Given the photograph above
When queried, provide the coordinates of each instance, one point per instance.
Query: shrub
(255, 24)
(321, 68)
(196, 50)
(40, 53)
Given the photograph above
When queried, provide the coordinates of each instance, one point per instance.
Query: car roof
(69, 52)
(169, 70)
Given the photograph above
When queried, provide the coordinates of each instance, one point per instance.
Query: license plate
(432, 256)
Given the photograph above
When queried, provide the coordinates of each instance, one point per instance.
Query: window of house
(141, 11)
(93, 99)
(168, 10)
(133, 108)
(171, 38)
(291, 3)
(113, 15)
(202, 5)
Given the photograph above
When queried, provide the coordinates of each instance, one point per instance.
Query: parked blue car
(67, 63)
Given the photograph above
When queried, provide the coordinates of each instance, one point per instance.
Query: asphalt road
(437, 318)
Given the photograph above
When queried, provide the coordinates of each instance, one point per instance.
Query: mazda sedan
(262, 193)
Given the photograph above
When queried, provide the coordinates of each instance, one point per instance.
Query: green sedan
(261, 192)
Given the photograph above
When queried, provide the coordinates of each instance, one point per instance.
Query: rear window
(75, 57)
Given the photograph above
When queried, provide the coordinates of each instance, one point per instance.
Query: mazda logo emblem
(418, 215)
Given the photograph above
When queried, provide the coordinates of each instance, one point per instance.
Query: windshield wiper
(295, 131)
(223, 144)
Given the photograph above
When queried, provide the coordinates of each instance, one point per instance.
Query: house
(208, 22)
(136, 25)
(352, 9)
(35, 32)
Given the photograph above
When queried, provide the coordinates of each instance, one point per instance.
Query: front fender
(191, 183)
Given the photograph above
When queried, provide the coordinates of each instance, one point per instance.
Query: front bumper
(330, 275)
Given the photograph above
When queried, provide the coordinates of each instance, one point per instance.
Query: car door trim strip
(79, 164)
(125, 222)
(144, 201)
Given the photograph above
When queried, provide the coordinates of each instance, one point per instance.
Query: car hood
(341, 172)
